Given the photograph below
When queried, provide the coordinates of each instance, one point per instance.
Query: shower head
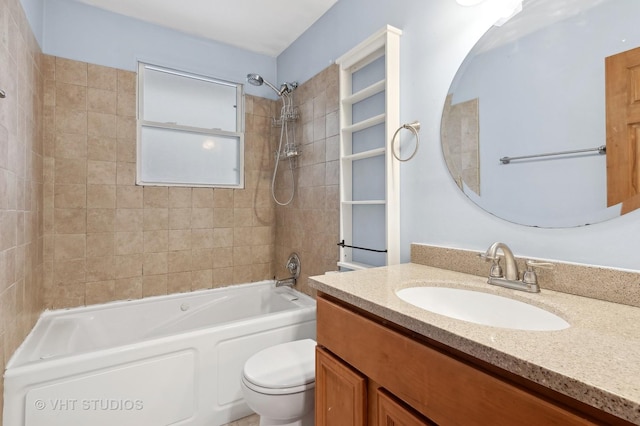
(257, 80)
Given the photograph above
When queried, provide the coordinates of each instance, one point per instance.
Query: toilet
(278, 383)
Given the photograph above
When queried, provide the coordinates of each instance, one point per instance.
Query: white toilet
(278, 383)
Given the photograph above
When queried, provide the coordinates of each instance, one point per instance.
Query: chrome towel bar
(600, 149)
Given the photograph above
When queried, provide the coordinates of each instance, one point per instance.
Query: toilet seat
(282, 369)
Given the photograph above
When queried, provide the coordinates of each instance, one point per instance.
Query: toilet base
(307, 420)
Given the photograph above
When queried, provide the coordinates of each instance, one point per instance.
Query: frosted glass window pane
(202, 160)
(185, 100)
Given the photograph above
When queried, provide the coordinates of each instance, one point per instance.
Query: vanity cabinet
(372, 372)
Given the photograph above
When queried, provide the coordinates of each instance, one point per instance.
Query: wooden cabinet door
(393, 413)
(341, 392)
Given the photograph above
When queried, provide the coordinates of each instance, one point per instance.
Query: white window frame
(238, 134)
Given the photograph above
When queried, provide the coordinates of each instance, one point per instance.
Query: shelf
(365, 93)
(365, 154)
(364, 202)
(365, 124)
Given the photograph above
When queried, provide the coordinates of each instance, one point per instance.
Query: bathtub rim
(307, 306)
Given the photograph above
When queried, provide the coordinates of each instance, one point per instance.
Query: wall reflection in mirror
(536, 85)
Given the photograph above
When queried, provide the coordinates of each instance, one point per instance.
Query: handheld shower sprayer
(287, 147)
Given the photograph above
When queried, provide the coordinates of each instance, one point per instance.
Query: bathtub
(167, 360)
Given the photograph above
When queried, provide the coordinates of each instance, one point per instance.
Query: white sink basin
(482, 308)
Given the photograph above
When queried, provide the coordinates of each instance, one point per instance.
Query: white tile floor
(252, 420)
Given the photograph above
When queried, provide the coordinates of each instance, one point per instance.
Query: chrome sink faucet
(511, 272)
(510, 278)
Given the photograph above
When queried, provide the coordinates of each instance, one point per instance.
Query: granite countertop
(596, 360)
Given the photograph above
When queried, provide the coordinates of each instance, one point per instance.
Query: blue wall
(437, 34)
(76, 31)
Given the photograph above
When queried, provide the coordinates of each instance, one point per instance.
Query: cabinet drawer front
(444, 389)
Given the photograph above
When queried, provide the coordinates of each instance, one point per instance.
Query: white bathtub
(168, 360)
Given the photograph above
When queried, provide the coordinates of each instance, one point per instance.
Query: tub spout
(290, 282)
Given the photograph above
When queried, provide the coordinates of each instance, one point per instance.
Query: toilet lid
(282, 366)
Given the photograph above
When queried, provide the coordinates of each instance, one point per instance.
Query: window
(190, 130)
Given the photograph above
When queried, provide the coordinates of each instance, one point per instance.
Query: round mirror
(532, 129)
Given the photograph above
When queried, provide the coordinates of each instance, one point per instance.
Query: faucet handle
(496, 269)
(529, 276)
(534, 263)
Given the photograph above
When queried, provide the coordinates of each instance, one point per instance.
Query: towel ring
(414, 128)
(2, 94)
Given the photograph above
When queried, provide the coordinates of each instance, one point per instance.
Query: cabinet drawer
(444, 389)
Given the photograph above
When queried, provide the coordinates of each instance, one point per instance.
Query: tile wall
(21, 136)
(76, 230)
(310, 224)
(108, 239)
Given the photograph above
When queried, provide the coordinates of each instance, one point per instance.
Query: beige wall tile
(129, 242)
(156, 197)
(156, 241)
(101, 196)
(129, 197)
(202, 218)
(100, 244)
(179, 239)
(155, 263)
(101, 125)
(179, 282)
(70, 196)
(71, 121)
(69, 145)
(69, 246)
(71, 96)
(101, 172)
(69, 71)
(100, 269)
(102, 101)
(129, 265)
(156, 218)
(101, 77)
(223, 217)
(179, 261)
(154, 285)
(100, 148)
(101, 220)
(128, 288)
(126, 173)
(70, 170)
(100, 291)
(201, 259)
(202, 198)
(201, 279)
(130, 220)
(70, 221)
(202, 238)
(180, 197)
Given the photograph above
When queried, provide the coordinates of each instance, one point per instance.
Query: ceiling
(262, 26)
